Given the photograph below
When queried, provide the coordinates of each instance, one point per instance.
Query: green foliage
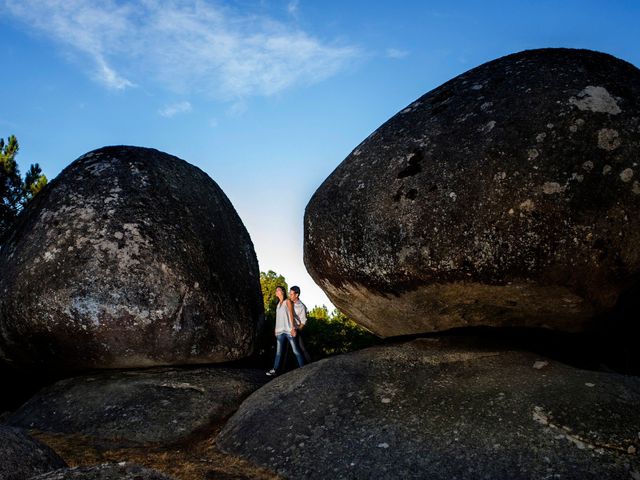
(268, 283)
(319, 313)
(9, 183)
(330, 334)
(34, 181)
(14, 192)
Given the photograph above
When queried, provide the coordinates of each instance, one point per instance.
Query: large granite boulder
(437, 410)
(130, 257)
(23, 457)
(131, 408)
(508, 196)
(106, 471)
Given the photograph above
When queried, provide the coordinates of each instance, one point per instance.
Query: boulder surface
(23, 457)
(439, 410)
(130, 257)
(130, 408)
(508, 196)
(107, 471)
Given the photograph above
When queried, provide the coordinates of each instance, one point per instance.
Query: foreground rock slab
(22, 456)
(108, 471)
(129, 258)
(159, 406)
(438, 410)
(508, 196)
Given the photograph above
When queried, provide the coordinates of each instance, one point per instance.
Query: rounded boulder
(508, 196)
(22, 456)
(440, 409)
(131, 408)
(129, 258)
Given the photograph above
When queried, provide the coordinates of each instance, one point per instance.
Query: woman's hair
(284, 290)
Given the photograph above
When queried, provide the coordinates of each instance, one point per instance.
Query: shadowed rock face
(130, 257)
(507, 196)
(22, 457)
(440, 409)
(132, 408)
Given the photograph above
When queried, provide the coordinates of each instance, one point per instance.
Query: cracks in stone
(544, 418)
(182, 386)
(177, 316)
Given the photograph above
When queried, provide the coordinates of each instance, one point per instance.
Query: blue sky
(267, 97)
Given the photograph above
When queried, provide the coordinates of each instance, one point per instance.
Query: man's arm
(302, 316)
(292, 319)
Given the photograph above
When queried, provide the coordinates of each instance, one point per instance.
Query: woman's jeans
(281, 340)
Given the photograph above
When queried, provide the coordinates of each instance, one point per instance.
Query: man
(300, 318)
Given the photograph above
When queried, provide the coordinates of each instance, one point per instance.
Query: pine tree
(14, 192)
(268, 282)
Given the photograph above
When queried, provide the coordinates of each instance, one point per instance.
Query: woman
(285, 330)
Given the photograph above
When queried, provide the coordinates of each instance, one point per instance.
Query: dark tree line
(15, 191)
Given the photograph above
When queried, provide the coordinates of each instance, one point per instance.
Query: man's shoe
(271, 373)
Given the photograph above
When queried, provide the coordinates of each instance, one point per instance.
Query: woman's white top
(283, 324)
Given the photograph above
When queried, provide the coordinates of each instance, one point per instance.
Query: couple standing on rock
(291, 317)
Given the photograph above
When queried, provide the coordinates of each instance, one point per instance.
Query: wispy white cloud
(187, 46)
(90, 31)
(175, 108)
(109, 77)
(396, 53)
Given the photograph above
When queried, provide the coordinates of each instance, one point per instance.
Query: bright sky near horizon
(267, 97)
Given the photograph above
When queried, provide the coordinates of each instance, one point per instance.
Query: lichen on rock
(500, 180)
(130, 257)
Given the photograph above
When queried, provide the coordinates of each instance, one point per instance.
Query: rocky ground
(440, 409)
(165, 419)
(200, 460)
(161, 406)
